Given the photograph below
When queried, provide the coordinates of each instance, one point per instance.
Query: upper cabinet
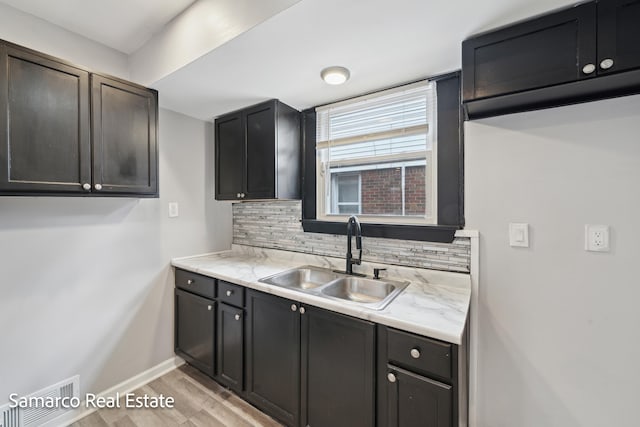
(125, 137)
(258, 153)
(45, 142)
(66, 131)
(578, 54)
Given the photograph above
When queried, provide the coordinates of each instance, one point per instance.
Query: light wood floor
(199, 402)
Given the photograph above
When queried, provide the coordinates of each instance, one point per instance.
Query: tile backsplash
(276, 224)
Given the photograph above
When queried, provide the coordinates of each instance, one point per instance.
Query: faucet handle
(376, 272)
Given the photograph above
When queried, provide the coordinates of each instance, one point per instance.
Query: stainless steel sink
(371, 293)
(307, 277)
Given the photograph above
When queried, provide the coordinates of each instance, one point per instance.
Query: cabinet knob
(189, 282)
(606, 63)
(237, 317)
(242, 195)
(98, 187)
(415, 353)
(238, 195)
(86, 186)
(391, 377)
(294, 307)
(209, 307)
(588, 69)
(229, 293)
(302, 310)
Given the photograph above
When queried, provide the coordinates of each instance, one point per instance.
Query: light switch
(519, 234)
(173, 209)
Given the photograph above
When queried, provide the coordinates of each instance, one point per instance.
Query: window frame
(450, 175)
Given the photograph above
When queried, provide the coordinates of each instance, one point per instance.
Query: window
(376, 156)
(401, 173)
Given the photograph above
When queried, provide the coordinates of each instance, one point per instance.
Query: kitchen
(88, 285)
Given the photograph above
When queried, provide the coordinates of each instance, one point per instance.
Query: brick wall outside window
(382, 191)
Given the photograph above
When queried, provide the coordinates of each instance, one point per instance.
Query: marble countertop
(435, 304)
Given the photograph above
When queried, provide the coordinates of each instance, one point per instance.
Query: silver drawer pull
(588, 69)
(209, 307)
(237, 317)
(189, 282)
(391, 377)
(229, 293)
(606, 63)
(294, 307)
(302, 310)
(415, 353)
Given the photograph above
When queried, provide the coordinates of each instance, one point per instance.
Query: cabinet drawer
(230, 293)
(419, 354)
(196, 283)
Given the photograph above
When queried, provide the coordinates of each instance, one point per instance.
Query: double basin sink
(375, 294)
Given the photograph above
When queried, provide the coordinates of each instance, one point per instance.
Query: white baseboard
(122, 388)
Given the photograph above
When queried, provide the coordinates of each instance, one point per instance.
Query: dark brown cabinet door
(260, 123)
(230, 157)
(195, 329)
(45, 145)
(273, 356)
(618, 35)
(416, 401)
(338, 370)
(258, 153)
(546, 51)
(230, 347)
(125, 137)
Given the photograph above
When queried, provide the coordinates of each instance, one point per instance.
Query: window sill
(425, 233)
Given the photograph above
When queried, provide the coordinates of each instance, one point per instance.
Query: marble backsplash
(276, 225)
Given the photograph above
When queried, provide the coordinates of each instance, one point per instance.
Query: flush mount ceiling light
(335, 75)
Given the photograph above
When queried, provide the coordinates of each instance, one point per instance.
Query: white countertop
(435, 304)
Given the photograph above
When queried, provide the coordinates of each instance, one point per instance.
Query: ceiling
(124, 25)
(383, 43)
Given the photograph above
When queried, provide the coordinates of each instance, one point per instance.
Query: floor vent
(38, 415)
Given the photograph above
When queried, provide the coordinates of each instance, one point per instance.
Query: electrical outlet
(596, 238)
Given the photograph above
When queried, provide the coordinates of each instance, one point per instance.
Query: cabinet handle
(229, 293)
(606, 63)
(98, 187)
(209, 307)
(238, 195)
(588, 69)
(86, 186)
(242, 195)
(415, 353)
(294, 307)
(302, 310)
(189, 282)
(237, 317)
(391, 377)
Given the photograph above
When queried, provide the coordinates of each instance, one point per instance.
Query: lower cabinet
(416, 401)
(418, 381)
(310, 367)
(273, 356)
(194, 330)
(230, 347)
(338, 370)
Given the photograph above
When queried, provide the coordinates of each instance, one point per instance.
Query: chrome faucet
(351, 224)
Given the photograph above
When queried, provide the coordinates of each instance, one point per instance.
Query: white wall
(86, 284)
(35, 33)
(558, 326)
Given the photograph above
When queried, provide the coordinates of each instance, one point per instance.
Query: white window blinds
(386, 126)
